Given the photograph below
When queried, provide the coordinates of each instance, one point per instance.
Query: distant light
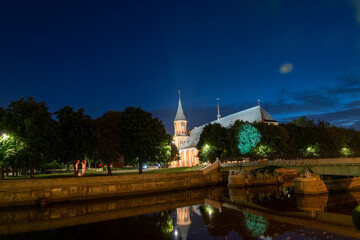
(176, 233)
(208, 209)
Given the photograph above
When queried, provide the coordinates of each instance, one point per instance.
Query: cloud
(338, 104)
(356, 4)
(286, 68)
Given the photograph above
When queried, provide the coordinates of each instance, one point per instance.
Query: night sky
(297, 57)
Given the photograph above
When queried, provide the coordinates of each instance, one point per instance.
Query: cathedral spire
(180, 113)
(218, 108)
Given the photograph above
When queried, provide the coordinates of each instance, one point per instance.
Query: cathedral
(186, 141)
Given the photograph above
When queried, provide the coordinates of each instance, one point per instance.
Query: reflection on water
(271, 212)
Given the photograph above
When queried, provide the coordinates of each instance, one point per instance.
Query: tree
(31, 124)
(273, 143)
(233, 152)
(77, 133)
(248, 138)
(174, 152)
(142, 136)
(304, 122)
(2, 143)
(168, 152)
(212, 142)
(109, 132)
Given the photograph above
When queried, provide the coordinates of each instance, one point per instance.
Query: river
(272, 212)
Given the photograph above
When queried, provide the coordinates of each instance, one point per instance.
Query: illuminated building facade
(186, 143)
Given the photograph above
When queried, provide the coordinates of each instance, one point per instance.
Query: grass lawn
(104, 173)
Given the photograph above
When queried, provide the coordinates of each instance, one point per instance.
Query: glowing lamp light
(5, 136)
(208, 209)
(176, 233)
(206, 148)
(345, 151)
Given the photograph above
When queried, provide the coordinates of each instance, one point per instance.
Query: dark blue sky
(298, 57)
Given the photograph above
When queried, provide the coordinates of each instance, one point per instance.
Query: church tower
(180, 126)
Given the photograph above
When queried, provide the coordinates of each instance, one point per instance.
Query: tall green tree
(168, 152)
(31, 124)
(77, 132)
(232, 141)
(273, 143)
(2, 142)
(212, 143)
(109, 132)
(174, 152)
(142, 137)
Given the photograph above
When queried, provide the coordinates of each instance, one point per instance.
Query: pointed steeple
(180, 113)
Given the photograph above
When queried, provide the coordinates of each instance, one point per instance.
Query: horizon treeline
(33, 138)
(298, 139)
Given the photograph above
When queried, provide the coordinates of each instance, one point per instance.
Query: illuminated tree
(274, 141)
(255, 224)
(248, 138)
(168, 152)
(32, 125)
(212, 142)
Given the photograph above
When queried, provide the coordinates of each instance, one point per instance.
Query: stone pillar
(310, 185)
(192, 158)
(189, 159)
(236, 180)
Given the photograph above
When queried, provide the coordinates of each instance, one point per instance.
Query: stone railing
(298, 162)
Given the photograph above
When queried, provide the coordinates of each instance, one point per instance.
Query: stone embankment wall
(33, 191)
(26, 219)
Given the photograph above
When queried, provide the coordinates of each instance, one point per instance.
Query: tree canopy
(142, 137)
(33, 127)
(301, 138)
(77, 132)
(212, 143)
(109, 132)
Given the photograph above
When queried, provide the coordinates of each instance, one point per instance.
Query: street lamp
(4, 137)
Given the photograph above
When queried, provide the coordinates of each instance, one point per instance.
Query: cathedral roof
(254, 114)
(180, 113)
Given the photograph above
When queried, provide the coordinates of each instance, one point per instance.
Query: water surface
(273, 212)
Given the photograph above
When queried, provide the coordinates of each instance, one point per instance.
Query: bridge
(329, 166)
(312, 169)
